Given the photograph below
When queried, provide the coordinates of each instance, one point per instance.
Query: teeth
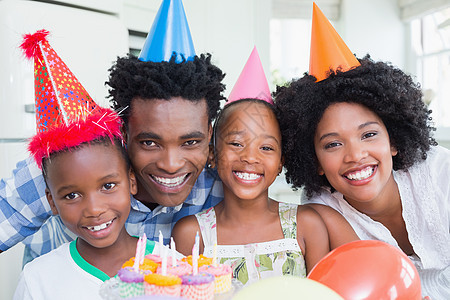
(247, 176)
(170, 182)
(99, 227)
(360, 175)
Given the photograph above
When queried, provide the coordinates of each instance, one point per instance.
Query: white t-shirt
(425, 195)
(62, 274)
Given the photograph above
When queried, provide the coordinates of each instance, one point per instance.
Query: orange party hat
(328, 50)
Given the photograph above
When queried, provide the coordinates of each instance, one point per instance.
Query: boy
(79, 148)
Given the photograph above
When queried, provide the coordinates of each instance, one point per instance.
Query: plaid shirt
(25, 214)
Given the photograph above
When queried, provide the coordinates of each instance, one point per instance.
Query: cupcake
(157, 284)
(131, 282)
(222, 277)
(182, 268)
(202, 260)
(198, 287)
(148, 265)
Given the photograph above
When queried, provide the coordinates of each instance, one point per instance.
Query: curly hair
(192, 80)
(379, 86)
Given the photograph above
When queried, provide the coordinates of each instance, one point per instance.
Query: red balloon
(368, 270)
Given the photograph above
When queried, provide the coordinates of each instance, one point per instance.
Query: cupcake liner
(222, 284)
(198, 292)
(131, 289)
(172, 290)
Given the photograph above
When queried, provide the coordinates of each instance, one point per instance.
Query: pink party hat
(169, 33)
(328, 50)
(252, 82)
(66, 115)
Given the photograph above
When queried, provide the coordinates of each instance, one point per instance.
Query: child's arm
(183, 234)
(339, 230)
(312, 234)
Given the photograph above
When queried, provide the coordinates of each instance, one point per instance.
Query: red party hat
(66, 115)
(328, 50)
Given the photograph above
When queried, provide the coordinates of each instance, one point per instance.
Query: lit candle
(215, 255)
(174, 252)
(195, 255)
(164, 261)
(161, 243)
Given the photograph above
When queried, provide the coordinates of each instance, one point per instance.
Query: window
(430, 38)
(289, 49)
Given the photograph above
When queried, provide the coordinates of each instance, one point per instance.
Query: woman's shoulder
(436, 167)
(436, 156)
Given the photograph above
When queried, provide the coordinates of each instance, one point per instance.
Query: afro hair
(192, 80)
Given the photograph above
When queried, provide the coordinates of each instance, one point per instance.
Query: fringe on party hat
(252, 82)
(328, 51)
(169, 34)
(66, 115)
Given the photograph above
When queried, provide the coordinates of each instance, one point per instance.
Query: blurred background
(88, 35)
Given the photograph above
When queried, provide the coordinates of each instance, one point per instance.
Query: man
(167, 107)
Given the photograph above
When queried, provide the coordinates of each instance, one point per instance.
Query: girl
(257, 236)
(360, 141)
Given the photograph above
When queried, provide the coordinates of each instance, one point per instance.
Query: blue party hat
(169, 33)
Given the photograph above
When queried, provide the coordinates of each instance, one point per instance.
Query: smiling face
(354, 153)
(90, 189)
(167, 143)
(248, 150)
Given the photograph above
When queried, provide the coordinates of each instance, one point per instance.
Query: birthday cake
(195, 277)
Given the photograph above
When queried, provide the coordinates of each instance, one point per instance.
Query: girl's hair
(192, 80)
(105, 141)
(379, 86)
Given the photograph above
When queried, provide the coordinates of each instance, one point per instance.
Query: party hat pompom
(252, 82)
(328, 50)
(169, 34)
(31, 42)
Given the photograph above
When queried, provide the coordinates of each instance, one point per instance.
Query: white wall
(11, 260)
(229, 30)
(373, 27)
(366, 26)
